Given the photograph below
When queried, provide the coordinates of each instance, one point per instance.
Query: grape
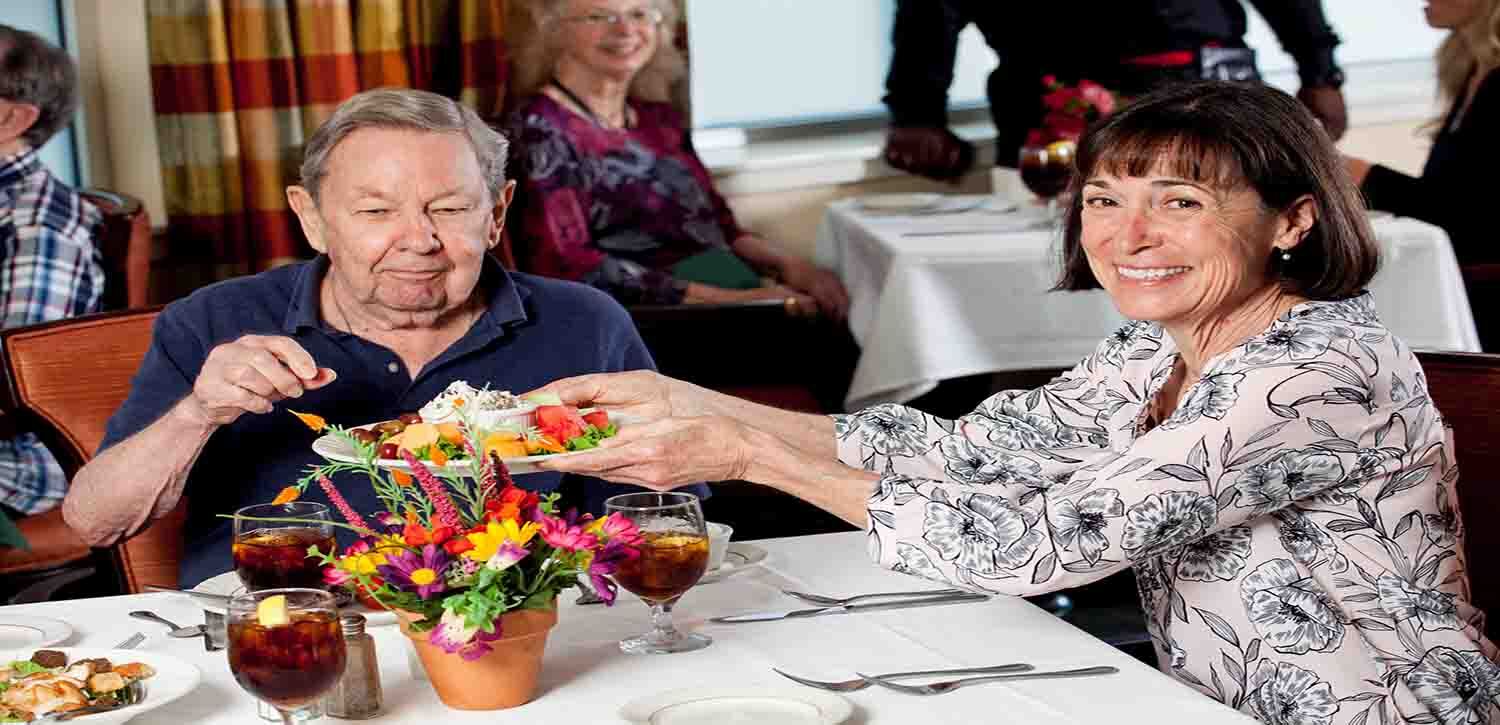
(388, 450)
(409, 418)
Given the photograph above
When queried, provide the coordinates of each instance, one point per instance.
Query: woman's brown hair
(1230, 135)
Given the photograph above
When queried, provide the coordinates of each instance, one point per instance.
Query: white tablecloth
(930, 307)
(585, 678)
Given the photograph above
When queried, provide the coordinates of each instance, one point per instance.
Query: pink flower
(1098, 96)
(506, 556)
(615, 527)
(442, 506)
(343, 506)
(562, 534)
(454, 637)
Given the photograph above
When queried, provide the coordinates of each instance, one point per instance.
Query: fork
(131, 641)
(860, 684)
(938, 688)
(132, 694)
(823, 601)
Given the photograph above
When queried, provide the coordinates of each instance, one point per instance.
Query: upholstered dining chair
(62, 381)
(125, 247)
(1465, 387)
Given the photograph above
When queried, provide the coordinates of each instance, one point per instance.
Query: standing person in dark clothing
(1465, 147)
(1129, 46)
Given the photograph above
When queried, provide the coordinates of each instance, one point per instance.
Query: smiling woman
(1256, 446)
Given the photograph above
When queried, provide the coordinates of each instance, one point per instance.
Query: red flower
(457, 545)
(510, 503)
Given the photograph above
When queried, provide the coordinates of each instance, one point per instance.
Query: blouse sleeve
(723, 215)
(1018, 498)
(557, 241)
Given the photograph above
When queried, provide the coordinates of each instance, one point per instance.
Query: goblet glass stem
(664, 637)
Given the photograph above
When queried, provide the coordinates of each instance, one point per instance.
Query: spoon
(177, 631)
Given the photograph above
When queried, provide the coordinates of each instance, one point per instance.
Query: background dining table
(586, 679)
(962, 288)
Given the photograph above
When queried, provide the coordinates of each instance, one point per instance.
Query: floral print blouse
(615, 208)
(1292, 525)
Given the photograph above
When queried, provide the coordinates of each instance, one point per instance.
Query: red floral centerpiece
(471, 563)
(1046, 159)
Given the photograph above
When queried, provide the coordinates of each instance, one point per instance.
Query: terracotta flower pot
(502, 678)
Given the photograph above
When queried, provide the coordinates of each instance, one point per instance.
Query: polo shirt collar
(507, 300)
(15, 168)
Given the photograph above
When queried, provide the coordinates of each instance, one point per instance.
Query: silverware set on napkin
(998, 673)
(859, 603)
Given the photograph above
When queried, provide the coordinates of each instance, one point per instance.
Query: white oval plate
(228, 583)
(19, 630)
(739, 557)
(768, 705)
(899, 202)
(174, 678)
(1377, 215)
(339, 450)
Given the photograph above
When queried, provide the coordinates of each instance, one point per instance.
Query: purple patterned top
(615, 208)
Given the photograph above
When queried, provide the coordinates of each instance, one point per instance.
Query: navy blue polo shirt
(535, 330)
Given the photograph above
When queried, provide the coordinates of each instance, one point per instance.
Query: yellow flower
(487, 542)
(365, 563)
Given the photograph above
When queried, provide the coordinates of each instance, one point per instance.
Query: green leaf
(27, 667)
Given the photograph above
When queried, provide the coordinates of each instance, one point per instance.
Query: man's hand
(1327, 104)
(250, 375)
(928, 151)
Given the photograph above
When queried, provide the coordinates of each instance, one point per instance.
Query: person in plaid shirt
(49, 266)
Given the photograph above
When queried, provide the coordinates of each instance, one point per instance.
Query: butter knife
(220, 599)
(819, 611)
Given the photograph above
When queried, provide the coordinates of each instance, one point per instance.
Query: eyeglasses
(638, 17)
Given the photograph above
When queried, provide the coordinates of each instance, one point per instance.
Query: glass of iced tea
(286, 647)
(674, 555)
(273, 554)
(1046, 170)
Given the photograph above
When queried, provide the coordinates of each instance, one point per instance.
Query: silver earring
(1286, 256)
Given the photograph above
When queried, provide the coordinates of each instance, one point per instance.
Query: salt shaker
(357, 694)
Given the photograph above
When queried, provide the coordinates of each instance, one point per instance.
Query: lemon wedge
(271, 612)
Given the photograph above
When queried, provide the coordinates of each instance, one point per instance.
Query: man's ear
(308, 216)
(502, 205)
(16, 119)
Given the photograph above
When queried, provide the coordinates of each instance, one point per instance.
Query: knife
(819, 611)
(220, 599)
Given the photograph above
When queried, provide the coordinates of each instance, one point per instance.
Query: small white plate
(19, 630)
(768, 705)
(739, 557)
(339, 450)
(1377, 215)
(899, 202)
(173, 679)
(228, 583)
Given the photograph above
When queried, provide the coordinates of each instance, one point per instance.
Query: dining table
(962, 286)
(586, 679)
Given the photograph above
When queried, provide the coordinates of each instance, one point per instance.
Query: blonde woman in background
(611, 191)
(1466, 147)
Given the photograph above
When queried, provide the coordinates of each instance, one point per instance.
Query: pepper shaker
(357, 695)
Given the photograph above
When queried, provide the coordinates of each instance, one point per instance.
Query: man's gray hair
(405, 108)
(38, 73)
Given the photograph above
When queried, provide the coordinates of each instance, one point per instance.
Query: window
(769, 63)
(45, 18)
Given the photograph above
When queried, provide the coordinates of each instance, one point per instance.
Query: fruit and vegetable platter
(520, 430)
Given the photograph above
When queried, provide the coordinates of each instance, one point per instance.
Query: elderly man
(49, 267)
(404, 193)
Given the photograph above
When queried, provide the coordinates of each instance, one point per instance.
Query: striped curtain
(239, 85)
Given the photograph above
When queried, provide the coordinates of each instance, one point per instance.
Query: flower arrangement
(459, 551)
(1068, 110)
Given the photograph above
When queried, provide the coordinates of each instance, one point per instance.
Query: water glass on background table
(673, 557)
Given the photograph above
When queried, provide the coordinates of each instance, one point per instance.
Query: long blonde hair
(1474, 48)
(531, 34)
